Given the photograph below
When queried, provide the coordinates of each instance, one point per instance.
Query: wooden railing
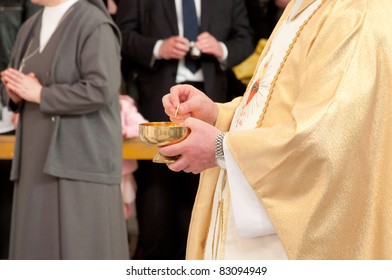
(132, 148)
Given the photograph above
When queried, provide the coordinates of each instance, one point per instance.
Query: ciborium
(162, 134)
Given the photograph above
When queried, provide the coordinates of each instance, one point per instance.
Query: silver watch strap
(219, 145)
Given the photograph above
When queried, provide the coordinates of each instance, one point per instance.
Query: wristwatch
(219, 154)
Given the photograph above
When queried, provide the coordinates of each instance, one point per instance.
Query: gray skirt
(65, 219)
(68, 220)
(55, 218)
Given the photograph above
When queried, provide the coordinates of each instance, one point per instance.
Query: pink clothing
(130, 120)
(130, 117)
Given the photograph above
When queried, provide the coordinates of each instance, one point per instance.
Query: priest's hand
(20, 85)
(197, 150)
(186, 101)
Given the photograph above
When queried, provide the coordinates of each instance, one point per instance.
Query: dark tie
(191, 30)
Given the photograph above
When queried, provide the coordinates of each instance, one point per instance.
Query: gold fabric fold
(320, 160)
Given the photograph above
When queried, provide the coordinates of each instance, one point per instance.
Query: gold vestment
(320, 159)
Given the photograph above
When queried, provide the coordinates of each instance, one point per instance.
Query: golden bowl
(162, 134)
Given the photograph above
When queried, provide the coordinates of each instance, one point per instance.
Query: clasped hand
(176, 47)
(20, 86)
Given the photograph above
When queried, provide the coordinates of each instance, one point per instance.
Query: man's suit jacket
(143, 22)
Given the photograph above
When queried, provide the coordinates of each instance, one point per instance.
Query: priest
(299, 167)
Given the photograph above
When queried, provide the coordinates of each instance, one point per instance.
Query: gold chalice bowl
(162, 134)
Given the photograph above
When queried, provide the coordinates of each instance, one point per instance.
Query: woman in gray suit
(64, 80)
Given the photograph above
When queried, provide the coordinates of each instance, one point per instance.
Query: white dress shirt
(183, 73)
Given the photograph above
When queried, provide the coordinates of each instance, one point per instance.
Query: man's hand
(190, 102)
(197, 150)
(175, 47)
(208, 44)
